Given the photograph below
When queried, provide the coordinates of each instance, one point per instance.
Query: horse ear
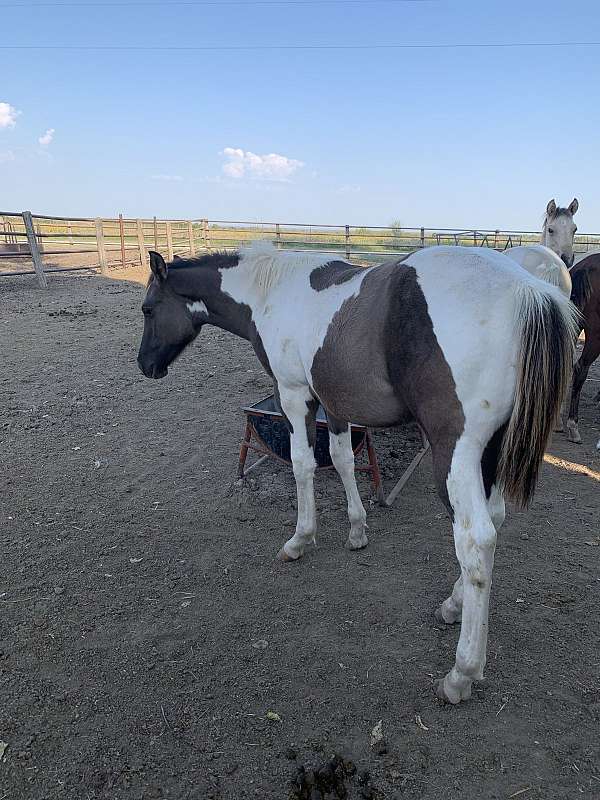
(574, 206)
(177, 258)
(158, 266)
(551, 208)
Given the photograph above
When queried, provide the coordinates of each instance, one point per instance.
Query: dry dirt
(147, 637)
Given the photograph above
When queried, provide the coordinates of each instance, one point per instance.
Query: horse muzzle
(152, 370)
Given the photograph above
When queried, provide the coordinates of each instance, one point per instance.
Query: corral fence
(37, 244)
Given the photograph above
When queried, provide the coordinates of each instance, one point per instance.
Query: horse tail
(582, 287)
(547, 329)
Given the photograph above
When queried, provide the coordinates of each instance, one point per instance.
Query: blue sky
(456, 138)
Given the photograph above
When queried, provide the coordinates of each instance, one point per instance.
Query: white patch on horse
(197, 307)
(280, 281)
(269, 266)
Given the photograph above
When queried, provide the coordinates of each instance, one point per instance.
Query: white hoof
(573, 434)
(357, 542)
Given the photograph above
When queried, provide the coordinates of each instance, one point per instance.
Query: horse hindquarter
(475, 306)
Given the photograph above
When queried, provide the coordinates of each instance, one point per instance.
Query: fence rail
(69, 244)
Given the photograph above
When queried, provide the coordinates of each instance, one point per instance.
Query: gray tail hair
(548, 324)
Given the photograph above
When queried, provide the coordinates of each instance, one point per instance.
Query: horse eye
(146, 311)
(550, 230)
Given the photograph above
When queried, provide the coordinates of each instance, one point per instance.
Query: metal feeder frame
(266, 409)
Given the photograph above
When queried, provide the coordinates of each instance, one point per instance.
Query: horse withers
(462, 340)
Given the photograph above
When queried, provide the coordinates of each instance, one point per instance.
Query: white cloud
(47, 137)
(167, 178)
(241, 163)
(8, 115)
(6, 156)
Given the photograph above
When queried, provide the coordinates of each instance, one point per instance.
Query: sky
(457, 138)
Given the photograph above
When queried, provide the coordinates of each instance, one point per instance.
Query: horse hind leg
(340, 449)
(450, 611)
(475, 543)
(591, 351)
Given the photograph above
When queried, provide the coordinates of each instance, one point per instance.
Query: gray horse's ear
(574, 206)
(158, 266)
(551, 208)
(177, 258)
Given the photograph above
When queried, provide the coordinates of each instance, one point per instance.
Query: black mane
(218, 260)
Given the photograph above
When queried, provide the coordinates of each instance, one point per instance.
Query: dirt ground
(148, 637)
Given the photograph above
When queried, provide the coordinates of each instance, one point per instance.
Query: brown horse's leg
(590, 353)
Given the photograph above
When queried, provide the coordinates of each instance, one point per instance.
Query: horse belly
(353, 391)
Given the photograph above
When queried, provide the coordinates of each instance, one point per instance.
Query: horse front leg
(342, 455)
(300, 409)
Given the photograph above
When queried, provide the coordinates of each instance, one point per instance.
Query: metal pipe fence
(69, 244)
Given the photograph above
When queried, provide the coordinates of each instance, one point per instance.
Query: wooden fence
(36, 244)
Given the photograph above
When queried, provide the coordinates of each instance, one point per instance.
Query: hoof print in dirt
(336, 778)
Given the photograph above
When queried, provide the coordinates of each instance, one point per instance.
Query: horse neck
(203, 284)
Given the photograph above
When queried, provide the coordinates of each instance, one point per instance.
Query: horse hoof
(284, 556)
(357, 544)
(439, 618)
(447, 695)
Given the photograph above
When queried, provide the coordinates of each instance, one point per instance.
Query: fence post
(155, 235)
(169, 241)
(70, 232)
(191, 238)
(34, 249)
(278, 236)
(496, 234)
(206, 235)
(422, 237)
(39, 238)
(101, 246)
(348, 242)
(122, 237)
(141, 243)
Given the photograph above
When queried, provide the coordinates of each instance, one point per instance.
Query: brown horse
(585, 276)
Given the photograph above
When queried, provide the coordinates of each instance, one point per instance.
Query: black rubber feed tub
(269, 427)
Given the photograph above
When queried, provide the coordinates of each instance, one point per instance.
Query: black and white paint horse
(462, 340)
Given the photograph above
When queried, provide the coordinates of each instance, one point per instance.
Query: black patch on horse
(332, 274)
